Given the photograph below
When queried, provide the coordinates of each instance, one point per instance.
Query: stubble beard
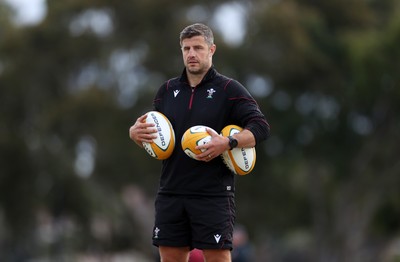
(202, 69)
(195, 71)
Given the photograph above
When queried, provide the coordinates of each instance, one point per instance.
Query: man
(195, 202)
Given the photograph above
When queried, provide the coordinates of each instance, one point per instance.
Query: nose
(191, 52)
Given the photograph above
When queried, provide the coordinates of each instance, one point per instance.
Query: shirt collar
(211, 73)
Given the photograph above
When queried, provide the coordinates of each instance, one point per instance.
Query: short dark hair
(197, 29)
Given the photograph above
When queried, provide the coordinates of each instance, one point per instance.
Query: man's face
(197, 55)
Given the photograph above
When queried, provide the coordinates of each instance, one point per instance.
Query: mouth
(192, 62)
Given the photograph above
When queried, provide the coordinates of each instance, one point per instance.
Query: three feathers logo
(210, 92)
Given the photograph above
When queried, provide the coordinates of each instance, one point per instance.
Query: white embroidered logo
(217, 237)
(176, 92)
(156, 231)
(210, 92)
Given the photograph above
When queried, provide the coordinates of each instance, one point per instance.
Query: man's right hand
(142, 132)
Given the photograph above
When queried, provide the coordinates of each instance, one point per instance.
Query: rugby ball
(240, 161)
(195, 136)
(161, 148)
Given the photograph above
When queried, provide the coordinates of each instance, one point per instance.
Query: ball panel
(240, 161)
(162, 147)
(228, 162)
(149, 149)
(194, 136)
(231, 130)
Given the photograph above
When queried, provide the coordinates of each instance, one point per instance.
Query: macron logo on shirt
(176, 92)
(217, 237)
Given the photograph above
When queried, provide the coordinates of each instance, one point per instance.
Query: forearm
(245, 139)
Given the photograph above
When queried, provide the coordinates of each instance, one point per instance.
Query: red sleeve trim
(227, 83)
(168, 84)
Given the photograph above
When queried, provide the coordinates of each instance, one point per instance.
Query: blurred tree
(333, 65)
(70, 88)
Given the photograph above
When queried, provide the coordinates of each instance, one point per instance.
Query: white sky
(28, 11)
(230, 21)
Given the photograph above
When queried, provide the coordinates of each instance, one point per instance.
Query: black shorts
(198, 222)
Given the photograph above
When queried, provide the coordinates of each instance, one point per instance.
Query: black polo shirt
(216, 102)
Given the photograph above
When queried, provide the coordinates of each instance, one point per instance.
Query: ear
(213, 48)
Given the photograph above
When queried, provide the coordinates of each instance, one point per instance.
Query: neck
(195, 79)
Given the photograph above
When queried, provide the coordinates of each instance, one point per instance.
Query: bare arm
(245, 139)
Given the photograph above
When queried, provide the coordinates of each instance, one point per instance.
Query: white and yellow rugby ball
(195, 136)
(240, 161)
(162, 147)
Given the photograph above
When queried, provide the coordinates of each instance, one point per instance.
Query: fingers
(206, 156)
(142, 118)
(209, 152)
(212, 132)
(142, 131)
(215, 147)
